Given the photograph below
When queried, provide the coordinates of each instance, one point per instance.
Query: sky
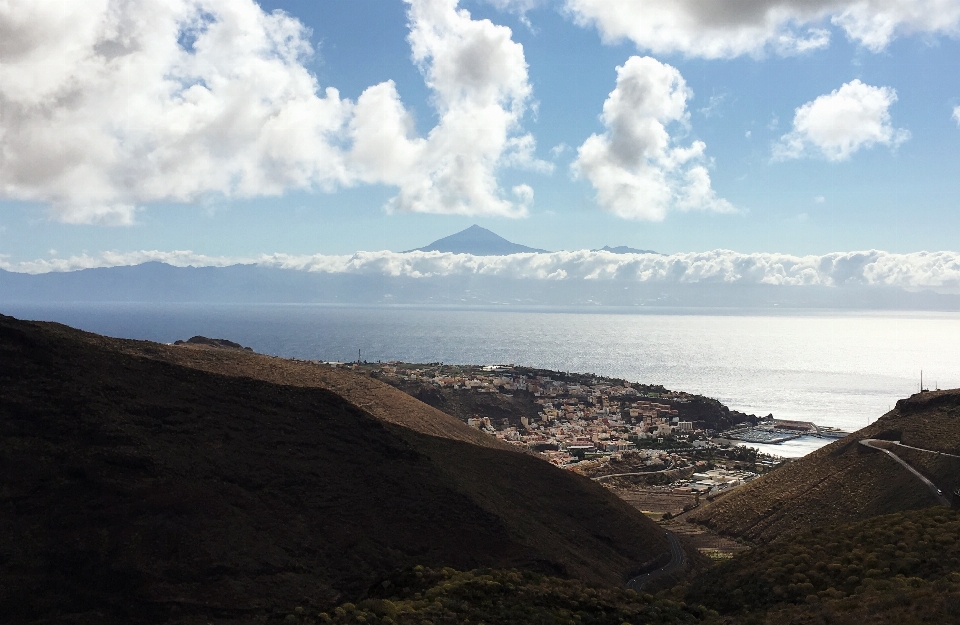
(234, 129)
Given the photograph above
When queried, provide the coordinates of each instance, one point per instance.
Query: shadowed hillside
(379, 399)
(845, 481)
(135, 490)
(897, 569)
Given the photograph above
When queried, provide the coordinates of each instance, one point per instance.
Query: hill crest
(847, 482)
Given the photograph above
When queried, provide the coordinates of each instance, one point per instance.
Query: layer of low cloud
(109, 105)
(933, 270)
(730, 28)
(636, 168)
(176, 258)
(836, 125)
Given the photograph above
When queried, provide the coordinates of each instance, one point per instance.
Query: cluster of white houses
(574, 419)
(578, 425)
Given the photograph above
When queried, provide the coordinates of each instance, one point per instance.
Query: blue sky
(723, 134)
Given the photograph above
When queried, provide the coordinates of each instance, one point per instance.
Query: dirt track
(656, 502)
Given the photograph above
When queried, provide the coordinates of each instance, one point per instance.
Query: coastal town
(611, 430)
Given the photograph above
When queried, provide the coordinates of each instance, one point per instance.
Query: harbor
(772, 431)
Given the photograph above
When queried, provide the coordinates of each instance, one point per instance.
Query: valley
(204, 483)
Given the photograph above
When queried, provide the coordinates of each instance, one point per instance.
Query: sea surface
(841, 369)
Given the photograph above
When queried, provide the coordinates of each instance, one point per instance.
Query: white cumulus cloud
(479, 78)
(729, 28)
(108, 105)
(956, 115)
(635, 166)
(932, 270)
(837, 124)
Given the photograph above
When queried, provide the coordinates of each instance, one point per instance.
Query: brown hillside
(379, 399)
(845, 482)
(134, 490)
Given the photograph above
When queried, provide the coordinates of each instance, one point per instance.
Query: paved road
(870, 442)
(928, 451)
(676, 561)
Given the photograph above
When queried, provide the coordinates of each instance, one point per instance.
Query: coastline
(795, 448)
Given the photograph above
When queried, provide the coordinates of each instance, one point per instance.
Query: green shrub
(502, 597)
(836, 561)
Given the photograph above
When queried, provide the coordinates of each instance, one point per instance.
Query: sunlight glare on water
(837, 369)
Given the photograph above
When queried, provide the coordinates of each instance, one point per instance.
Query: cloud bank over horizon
(919, 270)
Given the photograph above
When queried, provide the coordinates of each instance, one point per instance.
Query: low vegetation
(503, 597)
(897, 561)
(928, 420)
(899, 569)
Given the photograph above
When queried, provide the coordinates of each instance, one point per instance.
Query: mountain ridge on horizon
(479, 242)
(157, 281)
(624, 249)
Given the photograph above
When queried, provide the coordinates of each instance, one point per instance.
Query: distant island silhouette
(479, 242)
(482, 242)
(623, 249)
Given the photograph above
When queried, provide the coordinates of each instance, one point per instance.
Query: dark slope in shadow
(134, 490)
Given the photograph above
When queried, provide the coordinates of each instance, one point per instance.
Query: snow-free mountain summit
(623, 249)
(479, 242)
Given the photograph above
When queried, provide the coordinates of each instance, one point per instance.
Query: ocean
(841, 369)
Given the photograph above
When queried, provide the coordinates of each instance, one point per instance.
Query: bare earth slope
(134, 490)
(845, 481)
(379, 399)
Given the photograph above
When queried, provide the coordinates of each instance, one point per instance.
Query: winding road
(871, 443)
(926, 451)
(677, 559)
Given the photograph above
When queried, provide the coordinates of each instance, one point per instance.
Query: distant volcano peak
(479, 242)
